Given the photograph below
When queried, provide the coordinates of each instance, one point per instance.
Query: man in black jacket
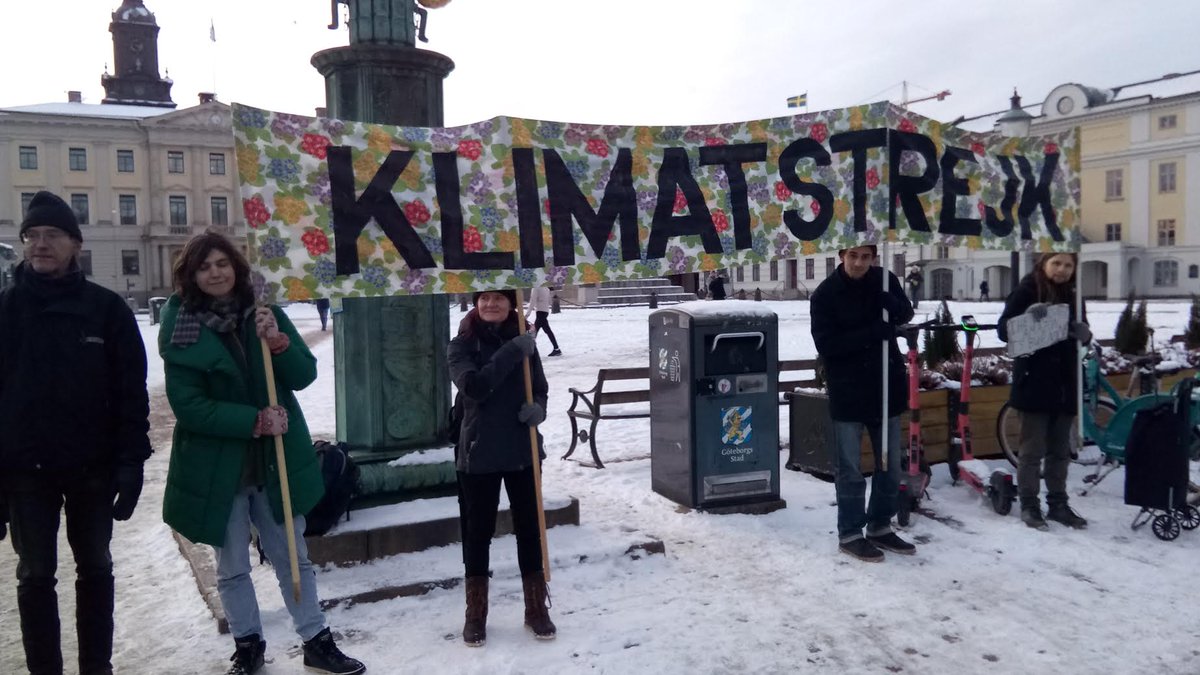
(849, 331)
(75, 415)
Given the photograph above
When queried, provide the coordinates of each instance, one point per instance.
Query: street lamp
(1015, 122)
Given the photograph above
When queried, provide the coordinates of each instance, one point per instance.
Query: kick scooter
(916, 471)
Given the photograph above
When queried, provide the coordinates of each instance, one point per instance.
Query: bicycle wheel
(1008, 428)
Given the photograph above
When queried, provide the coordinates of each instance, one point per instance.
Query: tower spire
(135, 79)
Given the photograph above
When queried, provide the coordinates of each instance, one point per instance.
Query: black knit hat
(507, 292)
(47, 209)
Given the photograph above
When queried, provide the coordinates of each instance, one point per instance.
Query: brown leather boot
(537, 604)
(475, 627)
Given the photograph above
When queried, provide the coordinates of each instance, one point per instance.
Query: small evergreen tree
(1131, 332)
(1141, 328)
(1191, 335)
(941, 345)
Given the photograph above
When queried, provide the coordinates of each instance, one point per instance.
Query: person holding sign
(493, 447)
(848, 327)
(224, 478)
(1043, 392)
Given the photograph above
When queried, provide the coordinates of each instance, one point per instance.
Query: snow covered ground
(733, 594)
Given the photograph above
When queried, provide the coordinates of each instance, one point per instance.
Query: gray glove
(1038, 311)
(532, 414)
(516, 349)
(1080, 331)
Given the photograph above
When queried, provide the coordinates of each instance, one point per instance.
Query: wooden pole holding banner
(533, 444)
(1079, 367)
(281, 464)
(883, 427)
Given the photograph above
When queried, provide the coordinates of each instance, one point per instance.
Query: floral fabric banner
(338, 208)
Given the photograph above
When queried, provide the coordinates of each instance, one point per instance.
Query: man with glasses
(75, 415)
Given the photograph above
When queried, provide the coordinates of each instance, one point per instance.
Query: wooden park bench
(596, 400)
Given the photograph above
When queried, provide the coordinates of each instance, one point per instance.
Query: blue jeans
(251, 506)
(35, 502)
(852, 487)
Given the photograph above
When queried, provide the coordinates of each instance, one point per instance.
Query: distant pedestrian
(539, 306)
(983, 290)
(75, 418)
(849, 332)
(716, 286)
(914, 280)
(323, 311)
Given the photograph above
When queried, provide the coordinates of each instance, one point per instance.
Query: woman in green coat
(224, 478)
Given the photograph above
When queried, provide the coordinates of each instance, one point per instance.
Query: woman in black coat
(1044, 392)
(494, 447)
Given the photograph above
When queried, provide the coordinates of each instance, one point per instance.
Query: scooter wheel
(1165, 527)
(1000, 489)
(954, 456)
(1188, 516)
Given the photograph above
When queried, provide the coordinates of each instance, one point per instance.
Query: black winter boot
(323, 656)
(248, 655)
(1062, 513)
(537, 604)
(1032, 516)
(475, 626)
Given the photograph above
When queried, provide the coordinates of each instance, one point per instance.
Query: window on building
(177, 205)
(125, 161)
(220, 211)
(810, 268)
(79, 204)
(741, 274)
(830, 265)
(941, 252)
(174, 161)
(129, 263)
(1194, 271)
(774, 270)
(77, 159)
(1167, 122)
(216, 163)
(1166, 177)
(1166, 273)
(1166, 232)
(754, 274)
(898, 264)
(26, 197)
(128, 209)
(85, 262)
(1112, 232)
(1114, 187)
(28, 157)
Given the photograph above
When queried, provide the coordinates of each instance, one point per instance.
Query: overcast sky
(635, 61)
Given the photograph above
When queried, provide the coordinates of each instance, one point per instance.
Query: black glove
(532, 414)
(128, 489)
(1038, 311)
(891, 303)
(516, 349)
(1080, 331)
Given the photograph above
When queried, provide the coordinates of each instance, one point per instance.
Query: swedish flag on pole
(798, 101)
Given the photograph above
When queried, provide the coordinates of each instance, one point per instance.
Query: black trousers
(34, 504)
(542, 323)
(480, 499)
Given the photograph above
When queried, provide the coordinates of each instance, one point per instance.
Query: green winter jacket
(215, 411)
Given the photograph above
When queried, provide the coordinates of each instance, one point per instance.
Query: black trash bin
(714, 415)
(156, 305)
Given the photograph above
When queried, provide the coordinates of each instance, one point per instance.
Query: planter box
(809, 425)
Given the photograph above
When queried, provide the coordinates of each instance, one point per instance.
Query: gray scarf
(219, 314)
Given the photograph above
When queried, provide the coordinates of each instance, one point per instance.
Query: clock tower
(135, 60)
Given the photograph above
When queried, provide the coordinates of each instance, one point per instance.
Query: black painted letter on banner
(1002, 224)
(676, 174)
(907, 189)
(529, 212)
(732, 157)
(454, 257)
(351, 215)
(806, 230)
(954, 187)
(1037, 194)
(857, 143)
(567, 201)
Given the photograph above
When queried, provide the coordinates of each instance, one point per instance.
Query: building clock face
(1065, 105)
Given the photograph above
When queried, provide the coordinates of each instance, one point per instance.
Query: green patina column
(393, 391)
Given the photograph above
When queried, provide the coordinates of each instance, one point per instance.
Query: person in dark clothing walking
(323, 311)
(914, 279)
(716, 286)
(493, 448)
(983, 290)
(75, 418)
(1043, 392)
(849, 331)
(539, 305)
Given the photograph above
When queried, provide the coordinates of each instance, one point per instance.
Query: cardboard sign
(1027, 334)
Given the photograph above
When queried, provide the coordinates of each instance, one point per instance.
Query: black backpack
(340, 475)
